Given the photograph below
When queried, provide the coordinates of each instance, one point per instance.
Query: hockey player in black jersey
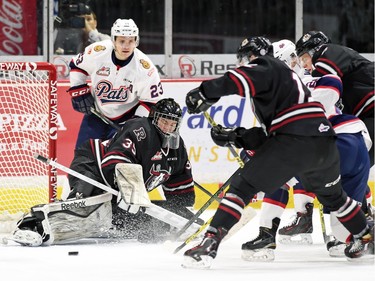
(320, 57)
(295, 139)
(151, 142)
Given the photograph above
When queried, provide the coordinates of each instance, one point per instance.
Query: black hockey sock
(353, 218)
(228, 212)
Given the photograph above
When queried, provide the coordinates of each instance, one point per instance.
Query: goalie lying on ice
(146, 152)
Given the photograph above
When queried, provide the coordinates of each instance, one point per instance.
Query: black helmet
(167, 109)
(311, 42)
(257, 46)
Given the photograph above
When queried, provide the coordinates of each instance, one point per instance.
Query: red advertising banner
(18, 27)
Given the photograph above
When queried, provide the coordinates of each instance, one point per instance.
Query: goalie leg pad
(34, 229)
(93, 219)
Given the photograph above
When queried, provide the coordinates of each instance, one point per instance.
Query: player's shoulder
(144, 63)
(99, 48)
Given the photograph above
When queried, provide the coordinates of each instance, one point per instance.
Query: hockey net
(28, 117)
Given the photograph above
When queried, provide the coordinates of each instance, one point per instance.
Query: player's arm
(150, 89)
(327, 91)
(79, 91)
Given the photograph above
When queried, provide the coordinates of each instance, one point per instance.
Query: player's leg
(275, 155)
(262, 247)
(325, 182)
(299, 230)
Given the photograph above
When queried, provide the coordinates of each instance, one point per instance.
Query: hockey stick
(203, 208)
(323, 224)
(152, 210)
(105, 119)
(231, 148)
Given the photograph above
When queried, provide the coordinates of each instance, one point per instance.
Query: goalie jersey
(138, 142)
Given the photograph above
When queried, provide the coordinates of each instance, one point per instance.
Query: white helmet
(123, 27)
(285, 50)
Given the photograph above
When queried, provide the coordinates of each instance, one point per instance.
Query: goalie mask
(257, 46)
(125, 27)
(311, 42)
(285, 50)
(166, 115)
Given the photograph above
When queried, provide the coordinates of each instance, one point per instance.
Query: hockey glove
(82, 99)
(225, 136)
(196, 101)
(249, 139)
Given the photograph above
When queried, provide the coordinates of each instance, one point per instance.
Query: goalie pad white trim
(129, 179)
(70, 220)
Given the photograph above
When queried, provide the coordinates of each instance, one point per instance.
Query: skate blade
(298, 239)
(261, 255)
(365, 259)
(26, 238)
(204, 263)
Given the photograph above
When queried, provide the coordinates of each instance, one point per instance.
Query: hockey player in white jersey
(124, 82)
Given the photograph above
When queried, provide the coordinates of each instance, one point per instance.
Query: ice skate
(299, 231)
(201, 256)
(262, 247)
(336, 248)
(362, 249)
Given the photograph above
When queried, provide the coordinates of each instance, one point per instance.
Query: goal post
(28, 124)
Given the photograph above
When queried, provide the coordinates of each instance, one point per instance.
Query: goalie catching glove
(249, 139)
(197, 102)
(82, 99)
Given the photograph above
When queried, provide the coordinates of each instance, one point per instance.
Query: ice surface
(130, 260)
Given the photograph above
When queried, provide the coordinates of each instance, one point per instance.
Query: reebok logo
(73, 205)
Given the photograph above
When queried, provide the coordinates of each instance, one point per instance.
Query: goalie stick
(152, 210)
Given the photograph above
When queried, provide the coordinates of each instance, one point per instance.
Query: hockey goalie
(147, 153)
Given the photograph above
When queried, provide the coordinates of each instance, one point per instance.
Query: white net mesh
(24, 130)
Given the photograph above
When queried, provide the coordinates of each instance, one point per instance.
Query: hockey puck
(73, 253)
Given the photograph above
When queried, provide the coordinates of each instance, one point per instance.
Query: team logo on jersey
(106, 93)
(99, 48)
(157, 176)
(145, 64)
(103, 71)
(140, 134)
(157, 156)
(323, 128)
